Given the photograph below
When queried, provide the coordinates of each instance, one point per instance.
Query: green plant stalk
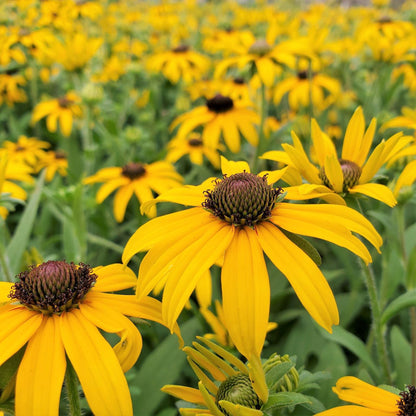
(379, 337)
(263, 114)
(71, 388)
(4, 266)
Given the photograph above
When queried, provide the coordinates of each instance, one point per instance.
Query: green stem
(379, 336)
(263, 115)
(4, 266)
(71, 386)
(412, 312)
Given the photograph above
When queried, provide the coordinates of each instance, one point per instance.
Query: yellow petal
(231, 135)
(145, 194)
(406, 178)
(354, 411)
(107, 188)
(5, 288)
(376, 191)
(203, 290)
(322, 144)
(121, 199)
(41, 372)
(239, 410)
(334, 173)
(17, 326)
(246, 293)
(353, 135)
(304, 276)
(184, 393)
(229, 167)
(96, 365)
(114, 277)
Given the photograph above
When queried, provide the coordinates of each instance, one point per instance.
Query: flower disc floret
(351, 172)
(238, 389)
(133, 170)
(242, 199)
(194, 142)
(53, 287)
(220, 104)
(407, 403)
(260, 47)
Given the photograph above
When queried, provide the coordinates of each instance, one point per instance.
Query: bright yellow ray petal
(41, 372)
(130, 345)
(96, 365)
(121, 199)
(211, 134)
(354, 411)
(17, 326)
(334, 173)
(5, 288)
(165, 228)
(231, 135)
(114, 277)
(266, 71)
(353, 135)
(248, 130)
(145, 194)
(310, 191)
(376, 191)
(406, 178)
(107, 188)
(203, 290)
(304, 276)
(246, 292)
(361, 154)
(323, 147)
(188, 394)
(229, 167)
(188, 267)
(65, 121)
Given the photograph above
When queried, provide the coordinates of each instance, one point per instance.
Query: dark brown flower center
(53, 287)
(181, 49)
(260, 47)
(133, 170)
(195, 142)
(238, 389)
(384, 20)
(407, 403)
(242, 199)
(239, 81)
(303, 75)
(60, 154)
(64, 102)
(351, 172)
(220, 104)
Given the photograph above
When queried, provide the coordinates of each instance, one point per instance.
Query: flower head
(55, 309)
(237, 218)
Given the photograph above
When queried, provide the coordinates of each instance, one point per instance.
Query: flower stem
(379, 337)
(71, 386)
(263, 114)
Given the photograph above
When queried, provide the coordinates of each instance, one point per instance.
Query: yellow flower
(134, 178)
(61, 322)
(220, 115)
(195, 148)
(63, 109)
(304, 89)
(406, 120)
(233, 389)
(179, 63)
(370, 400)
(406, 178)
(351, 174)
(53, 161)
(10, 91)
(236, 219)
(27, 149)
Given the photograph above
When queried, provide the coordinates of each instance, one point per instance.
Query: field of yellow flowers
(207, 208)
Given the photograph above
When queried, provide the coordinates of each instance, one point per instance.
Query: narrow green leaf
(285, 399)
(402, 302)
(401, 351)
(277, 372)
(353, 344)
(304, 245)
(20, 239)
(411, 270)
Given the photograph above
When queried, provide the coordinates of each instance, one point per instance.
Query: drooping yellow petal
(164, 228)
(121, 199)
(304, 276)
(114, 277)
(203, 290)
(246, 292)
(107, 188)
(211, 134)
(354, 390)
(354, 411)
(311, 191)
(188, 267)
(334, 173)
(229, 167)
(239, 410)
(96, 365)
(17, 326)
(188, 394)
(130, 345)
(406, 178)
(231, 135)
(376, 191)
(41, 372)
(144, 194)
(353, 135)
(5, 288)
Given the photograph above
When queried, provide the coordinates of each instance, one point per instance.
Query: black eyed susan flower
(237, 218)
(53, 161)
(335, 177)
(63, 109)
(220, 115)
(134, 178)
(26, 149)
(195, 148)
(55, 309)
(370, 400)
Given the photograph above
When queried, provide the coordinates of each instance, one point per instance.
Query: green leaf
(304, 245)
(285, 399)
(411, 270)
(20, 239)
(163, 366)
(401, 350)
(404, 301)
(8, 368)
(277, 372)
(353, 344)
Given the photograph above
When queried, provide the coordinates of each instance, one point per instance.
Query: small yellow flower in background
(9, 50)
(53, 161)
(180, 63)
(26, 149)
(62, 109)
(409, 75)
(335, 178)
(220, 116)
(370, 400)
(62, 322)
(406, 120)
(237, 218)
(10, 89)
(194, 147)
(134, 178)
(233, 388)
